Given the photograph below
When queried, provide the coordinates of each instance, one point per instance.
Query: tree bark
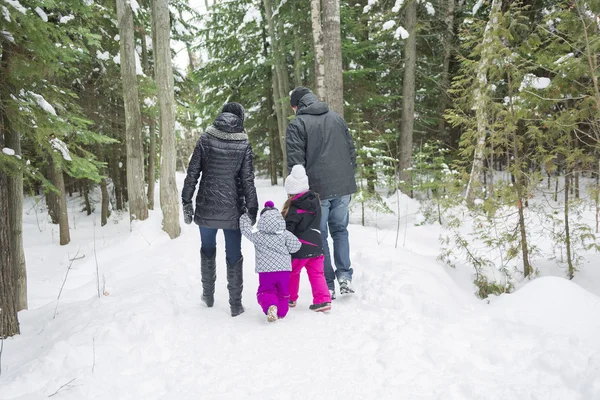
(297, 61)
(86, 198)
(152, 164)
(138, 206)
(9, 322)
(61, 200)
(14, 187)
(481, 103)
(164, 82)
(567, 229)
(280, 86)
(116, 173)
(445, 100)
(334, 83)
(317, 32)
(408, 97)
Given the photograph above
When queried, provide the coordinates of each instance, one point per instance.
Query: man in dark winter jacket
(319, 139)
(223, 156)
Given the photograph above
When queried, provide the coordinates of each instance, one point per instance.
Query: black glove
(252, 212)
(188, 213)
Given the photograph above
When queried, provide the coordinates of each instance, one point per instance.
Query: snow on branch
(17, 6)
(59, 145)
(41, 101)
(401, 33)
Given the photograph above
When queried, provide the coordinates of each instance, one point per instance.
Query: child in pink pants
(273, 245)
(302, 213)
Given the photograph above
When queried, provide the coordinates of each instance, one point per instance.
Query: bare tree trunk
(86, 198)
(15, 206)
(445, 101)
(104, 214)
(152, 164)
(164, 82)
(481, 103)
(280, 86)
(297, 61)
(334, 83)
(116, 172)
(51, 198)
(317, 32)
(274, 112)
(408, 97)
(567, 229)
(138, 206)
(63, 217)
(9, 322)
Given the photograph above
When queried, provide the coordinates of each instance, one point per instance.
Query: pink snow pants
(273, 291)
(316, 277)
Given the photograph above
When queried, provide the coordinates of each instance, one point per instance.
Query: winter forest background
(476, 120)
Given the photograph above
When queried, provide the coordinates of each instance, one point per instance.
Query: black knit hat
(234, 108)
(297, 95)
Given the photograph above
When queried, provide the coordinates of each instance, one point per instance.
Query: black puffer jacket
(224, 157)
(319, 139)
(303, 219)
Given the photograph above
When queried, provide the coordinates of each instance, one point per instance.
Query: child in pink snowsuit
(273, 245)
(302, 213)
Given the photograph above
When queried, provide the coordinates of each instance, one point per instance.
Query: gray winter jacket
(319, 139)
(273, 244)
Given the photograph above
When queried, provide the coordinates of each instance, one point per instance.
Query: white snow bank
(554, 304)
(408, 333)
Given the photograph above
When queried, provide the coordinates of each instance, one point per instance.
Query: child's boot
(320, 307)
(272, 314)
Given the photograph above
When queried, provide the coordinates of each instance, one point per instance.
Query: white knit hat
(297, 181)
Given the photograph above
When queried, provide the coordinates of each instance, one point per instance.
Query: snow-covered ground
(413, 330)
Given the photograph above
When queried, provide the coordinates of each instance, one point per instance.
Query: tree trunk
(297, 61)
(138, 206)
(408, 97)
(9, 322)
(61, 200)
(317, 32)
(14, 185)
(152, 164)
(332, 41)
(51, 198)
(116, 173)
(280, 86)
(104, 214)
(445, 101)
(86, 197)
(567, 229)
(164, 82)
(272, 123)
(481, 103)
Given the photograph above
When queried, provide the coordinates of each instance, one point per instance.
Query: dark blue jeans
(233, 243)
(334, 218)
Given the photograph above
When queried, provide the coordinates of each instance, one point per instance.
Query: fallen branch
(59, 389)
(65, 281)
(77, 258)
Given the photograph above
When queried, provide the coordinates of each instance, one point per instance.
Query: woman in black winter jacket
(223, 156)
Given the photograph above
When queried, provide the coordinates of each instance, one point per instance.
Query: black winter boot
(235, 284)
(208, 271)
